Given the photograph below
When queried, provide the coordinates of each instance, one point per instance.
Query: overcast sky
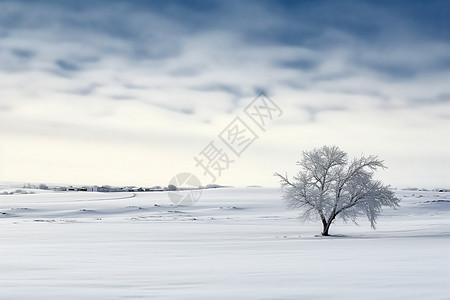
(129, 92)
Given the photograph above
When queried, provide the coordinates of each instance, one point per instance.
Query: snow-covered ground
(235, 243)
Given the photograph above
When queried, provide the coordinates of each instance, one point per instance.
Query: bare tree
(328, 186)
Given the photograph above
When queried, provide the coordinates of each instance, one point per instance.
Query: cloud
(162, 42)
(314, 111)
(66, 66)
(78, 69)
(88, 89)
(23, 53)
(433, 100)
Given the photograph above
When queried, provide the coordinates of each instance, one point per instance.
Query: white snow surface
(235, 243)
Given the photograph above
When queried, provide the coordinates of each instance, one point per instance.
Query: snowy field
(233, 244)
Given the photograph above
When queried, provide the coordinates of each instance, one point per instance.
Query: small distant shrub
(43, 186)
(171, 187)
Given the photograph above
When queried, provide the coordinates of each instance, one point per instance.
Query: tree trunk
(326, 228)
(326, 225)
